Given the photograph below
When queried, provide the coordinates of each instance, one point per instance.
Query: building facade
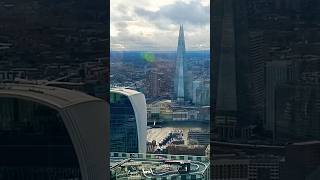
(52, 133)
(246, 167)
(297, 112)
(230, 68)
(128, 121)
(180, 82)
(276, 73)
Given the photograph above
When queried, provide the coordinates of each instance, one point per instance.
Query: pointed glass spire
(179, 84)
(181, 44)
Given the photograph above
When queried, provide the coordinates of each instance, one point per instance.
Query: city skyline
(141, 25)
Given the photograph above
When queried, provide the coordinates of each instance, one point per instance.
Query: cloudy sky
(151, 25)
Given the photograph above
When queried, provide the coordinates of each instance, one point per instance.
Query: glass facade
(123, 127)
(34, 143)
(180, 74)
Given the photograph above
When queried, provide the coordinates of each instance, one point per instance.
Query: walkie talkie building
(128, 121)
(52, 133)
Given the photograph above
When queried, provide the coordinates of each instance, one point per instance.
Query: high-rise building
(302, 160)
(152, 83)
(128, 121)
(52, 133)
(195, 85)
(257, 77)
(232, 166)
(201, 93)
(230, 67)
(276, 72)
(297, 112)
(293, 5)
(180, 87)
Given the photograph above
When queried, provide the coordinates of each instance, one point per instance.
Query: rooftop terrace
(158, 166)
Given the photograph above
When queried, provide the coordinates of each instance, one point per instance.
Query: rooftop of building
(160, 101)
(246, 156)
(124, 91)
(306, 143)
(52, 95)
(45, 82)
(148, 166)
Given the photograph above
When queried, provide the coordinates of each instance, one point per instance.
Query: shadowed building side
(225, 57)
(230, 69)
(51, 132)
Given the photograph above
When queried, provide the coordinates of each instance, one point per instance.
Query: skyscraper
(128, 121)
(52, 133)
(297, 111)
(230, 66)
(276, 72)
(180, 88)
(152, 83)
(257, 54)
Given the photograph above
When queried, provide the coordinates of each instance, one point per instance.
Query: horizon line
(157, 50)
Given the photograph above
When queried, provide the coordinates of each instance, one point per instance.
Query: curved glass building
(128, 121)
(52, 133)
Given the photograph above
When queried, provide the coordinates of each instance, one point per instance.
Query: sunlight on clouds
(133, 31)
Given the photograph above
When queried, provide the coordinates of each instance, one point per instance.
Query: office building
(128, 121)
(195, 85)
(297, 112)
(194, 150)
(201, 93)
(257, 56)
(52, 133)
(302, 160)
(276, 73)
(153, 83)
(201, 137)
(288, 5)
(230, 166)
(231, 68)
(180, 81)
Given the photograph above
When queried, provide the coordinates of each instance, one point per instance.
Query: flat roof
(53, 95)
(129, 165)
(306, 143)
(125, 91)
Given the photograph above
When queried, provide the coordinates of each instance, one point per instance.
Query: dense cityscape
(170, 100)
(54, 84)
(172, 90)
(265, 118)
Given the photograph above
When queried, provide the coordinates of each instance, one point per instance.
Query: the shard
(230, 64)
(180, 73)
(226, 92)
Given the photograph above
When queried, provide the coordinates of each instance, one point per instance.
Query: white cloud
(150, 25)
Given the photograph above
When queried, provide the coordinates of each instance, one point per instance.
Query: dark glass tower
(52, 133)
(128, 121)
(230, 68)
(124, 137)
(180, 88)
(34, 142)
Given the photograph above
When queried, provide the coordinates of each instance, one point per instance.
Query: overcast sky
(153, 25)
